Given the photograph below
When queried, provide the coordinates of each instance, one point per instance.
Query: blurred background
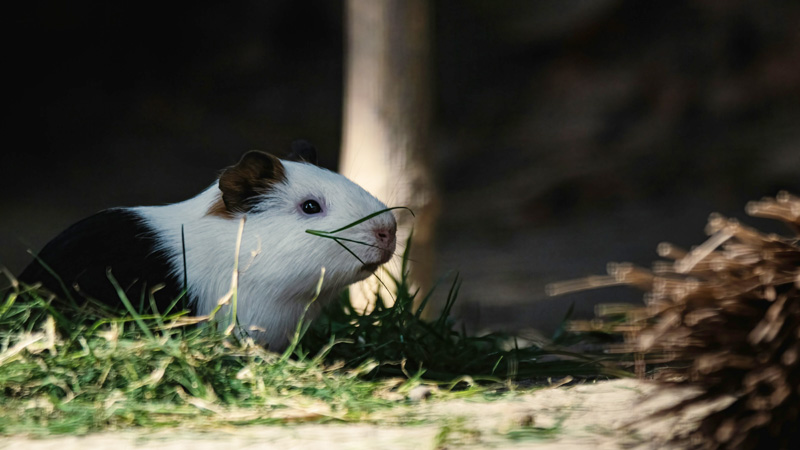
(565, 134)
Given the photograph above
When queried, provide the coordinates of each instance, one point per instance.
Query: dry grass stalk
(725, 315)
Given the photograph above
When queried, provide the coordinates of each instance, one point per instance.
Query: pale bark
(387, 107)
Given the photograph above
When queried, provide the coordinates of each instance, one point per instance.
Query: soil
(605, 415)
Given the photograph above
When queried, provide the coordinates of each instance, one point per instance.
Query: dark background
(567, 133)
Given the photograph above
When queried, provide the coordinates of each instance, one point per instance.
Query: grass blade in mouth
(361, 220)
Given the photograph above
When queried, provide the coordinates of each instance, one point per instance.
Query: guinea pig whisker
(346, 240)
(338, 241)
(335, 239)
(361, 220)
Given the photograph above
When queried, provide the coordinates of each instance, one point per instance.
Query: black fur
(81, 255)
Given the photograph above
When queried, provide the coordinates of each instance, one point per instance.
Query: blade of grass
(235, 277)
(363, 219)
(61, 284)
(124, 299)
(300, 329)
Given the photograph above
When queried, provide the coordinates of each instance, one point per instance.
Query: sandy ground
(582, 416)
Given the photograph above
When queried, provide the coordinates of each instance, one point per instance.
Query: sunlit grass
(66, 368)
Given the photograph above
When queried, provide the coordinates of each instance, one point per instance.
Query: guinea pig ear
(303, 151)
(255, 174)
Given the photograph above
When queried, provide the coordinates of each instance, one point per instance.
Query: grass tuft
(67, 368)
(402, 344)
(112, 373)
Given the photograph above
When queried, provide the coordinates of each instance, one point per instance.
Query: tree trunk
(387, 121)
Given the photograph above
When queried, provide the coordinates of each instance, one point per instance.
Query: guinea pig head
(304, 217)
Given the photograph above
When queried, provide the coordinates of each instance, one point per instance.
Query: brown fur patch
(255, 174)
(218, 209)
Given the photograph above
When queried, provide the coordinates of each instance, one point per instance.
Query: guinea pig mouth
(386, 255)
(373, 266)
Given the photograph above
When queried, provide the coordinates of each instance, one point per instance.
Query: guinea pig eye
(311, 207)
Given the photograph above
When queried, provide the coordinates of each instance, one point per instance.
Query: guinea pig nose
(385, 235)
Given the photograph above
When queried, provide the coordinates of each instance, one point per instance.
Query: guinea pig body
(279, 262)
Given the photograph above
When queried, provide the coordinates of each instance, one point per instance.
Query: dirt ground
(598, 415)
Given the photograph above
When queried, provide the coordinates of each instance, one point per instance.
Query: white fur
(279, 262)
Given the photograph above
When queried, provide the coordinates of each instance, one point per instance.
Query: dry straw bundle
(725, 317)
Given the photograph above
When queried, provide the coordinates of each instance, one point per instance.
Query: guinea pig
(193, 244)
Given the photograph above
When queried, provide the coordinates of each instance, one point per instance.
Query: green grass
(395, 336)
(76, 369)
